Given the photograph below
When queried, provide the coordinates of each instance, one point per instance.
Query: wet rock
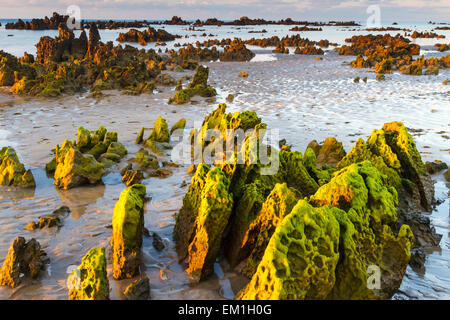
(236, 51)
(128, 224)
(160, 132)
(12, 171)
(146, 160)
(417, 261)
(23, 259)
(198, 87)
(138, 290)
(202, 220)
(131, 177)
(309, 50)
(243, 74)
(179, 125)
(158, 242)
(447, 175)
(90, 280)
(74, 169)
(165, 80)
(140, 136)
(230, 98)
(435, 166)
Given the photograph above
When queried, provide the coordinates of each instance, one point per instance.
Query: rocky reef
(385, 53)
(83, 162)
(318, 228)
(89, 280)
(66, 65)
(12, 171)
(128, 225)
(25, 258)
(146, 36)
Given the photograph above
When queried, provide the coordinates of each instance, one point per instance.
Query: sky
(312, 10)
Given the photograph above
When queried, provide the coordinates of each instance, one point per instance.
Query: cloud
(399, 10)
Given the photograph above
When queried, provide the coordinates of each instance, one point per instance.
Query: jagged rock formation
(12, 171)
(128, 225)
(89, 281)
(25, 258)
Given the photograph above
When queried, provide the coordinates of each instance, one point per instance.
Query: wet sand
(305, 99)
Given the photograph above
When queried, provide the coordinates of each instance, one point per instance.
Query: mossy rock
(278, 204)
(179, 125)
(160, 132)
(12, 171)
(74, 168)
(212, 219)
(300, 259)
(128, 225)
(90, 280)
(447, 175)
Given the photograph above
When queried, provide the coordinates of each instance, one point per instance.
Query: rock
(230, 98)
(435, 166)
(447, 175)
(165, 80)
(198, 87)
(146, 160)
(158, 242)
(128, 224)
(191, 169)
(202, 220)
(236, 51)
(278, 204)
(23, 259)
(12, 172)
(417, 261)
(74, 169)
(140, 136)
(90, 280)
(330, 153)
(179, 125)
(300, 259)
(138, 290)
(370, 203)
(131, 177)
(243, 74)
(143, 37)
(160, 132)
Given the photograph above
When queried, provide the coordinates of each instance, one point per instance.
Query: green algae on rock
(12, 172)
(202, 221)
(198, 87)
(300, 259)
(447, 175)
(179, 125)
(278, 204)
(160, 132)
(329, 153)
(74, 168)
(89, 281)
(83, 162)
(128, 224)
(67, 65)
(24, 258)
